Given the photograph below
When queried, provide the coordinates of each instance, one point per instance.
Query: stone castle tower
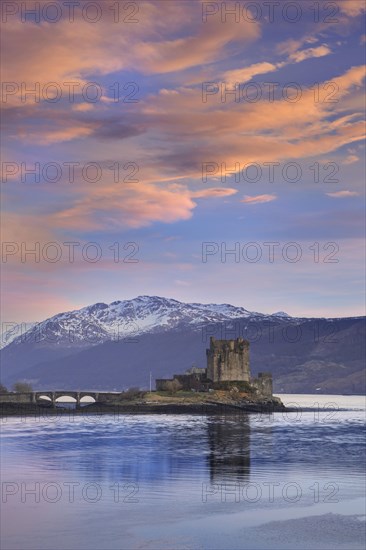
(228, 360)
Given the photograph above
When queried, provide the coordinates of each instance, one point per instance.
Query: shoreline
(140, 408)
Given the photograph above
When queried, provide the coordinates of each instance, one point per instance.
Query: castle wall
(263, 384)
(191, 381)
(228, 360)
(161, 384)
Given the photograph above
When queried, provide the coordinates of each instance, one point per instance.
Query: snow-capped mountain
(117, 345)
(10, 331)
(145, 314)
(281, 314)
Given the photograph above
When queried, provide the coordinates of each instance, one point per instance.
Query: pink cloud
(133, 206)
(319, 51)
(291, 45)
(353, 8)
(351, 159)
(148, 46)
(246, 73)
(214, 192)
(342, 194)
(257, 199)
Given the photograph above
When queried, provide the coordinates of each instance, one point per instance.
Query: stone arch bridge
(38, 396)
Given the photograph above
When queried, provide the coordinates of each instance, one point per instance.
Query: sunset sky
(158, 110)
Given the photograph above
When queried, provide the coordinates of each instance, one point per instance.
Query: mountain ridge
(124, 308)
(141, 308)
(117, 344)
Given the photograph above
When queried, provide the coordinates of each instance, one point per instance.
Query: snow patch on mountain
(281, 314)
(101, 322)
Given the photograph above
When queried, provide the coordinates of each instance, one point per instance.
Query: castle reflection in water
(151, 448)
(229, 443)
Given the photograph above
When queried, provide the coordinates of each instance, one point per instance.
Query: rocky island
(226, 384)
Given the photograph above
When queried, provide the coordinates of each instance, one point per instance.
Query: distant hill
(116, 346)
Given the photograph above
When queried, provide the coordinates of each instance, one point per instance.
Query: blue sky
(172, 55)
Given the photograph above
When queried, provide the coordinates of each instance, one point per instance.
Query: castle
(227, 366)
(228, 360)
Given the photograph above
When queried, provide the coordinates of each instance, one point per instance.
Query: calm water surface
(287, 480)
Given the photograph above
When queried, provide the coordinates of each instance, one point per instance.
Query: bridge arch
(85, 399)
(80, 398)
(66, 399)
(43, 398)
(47, 396)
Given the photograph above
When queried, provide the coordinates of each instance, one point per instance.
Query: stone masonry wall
(263, 384)
(228, 360)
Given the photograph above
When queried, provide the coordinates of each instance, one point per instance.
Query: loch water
(233, 481)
